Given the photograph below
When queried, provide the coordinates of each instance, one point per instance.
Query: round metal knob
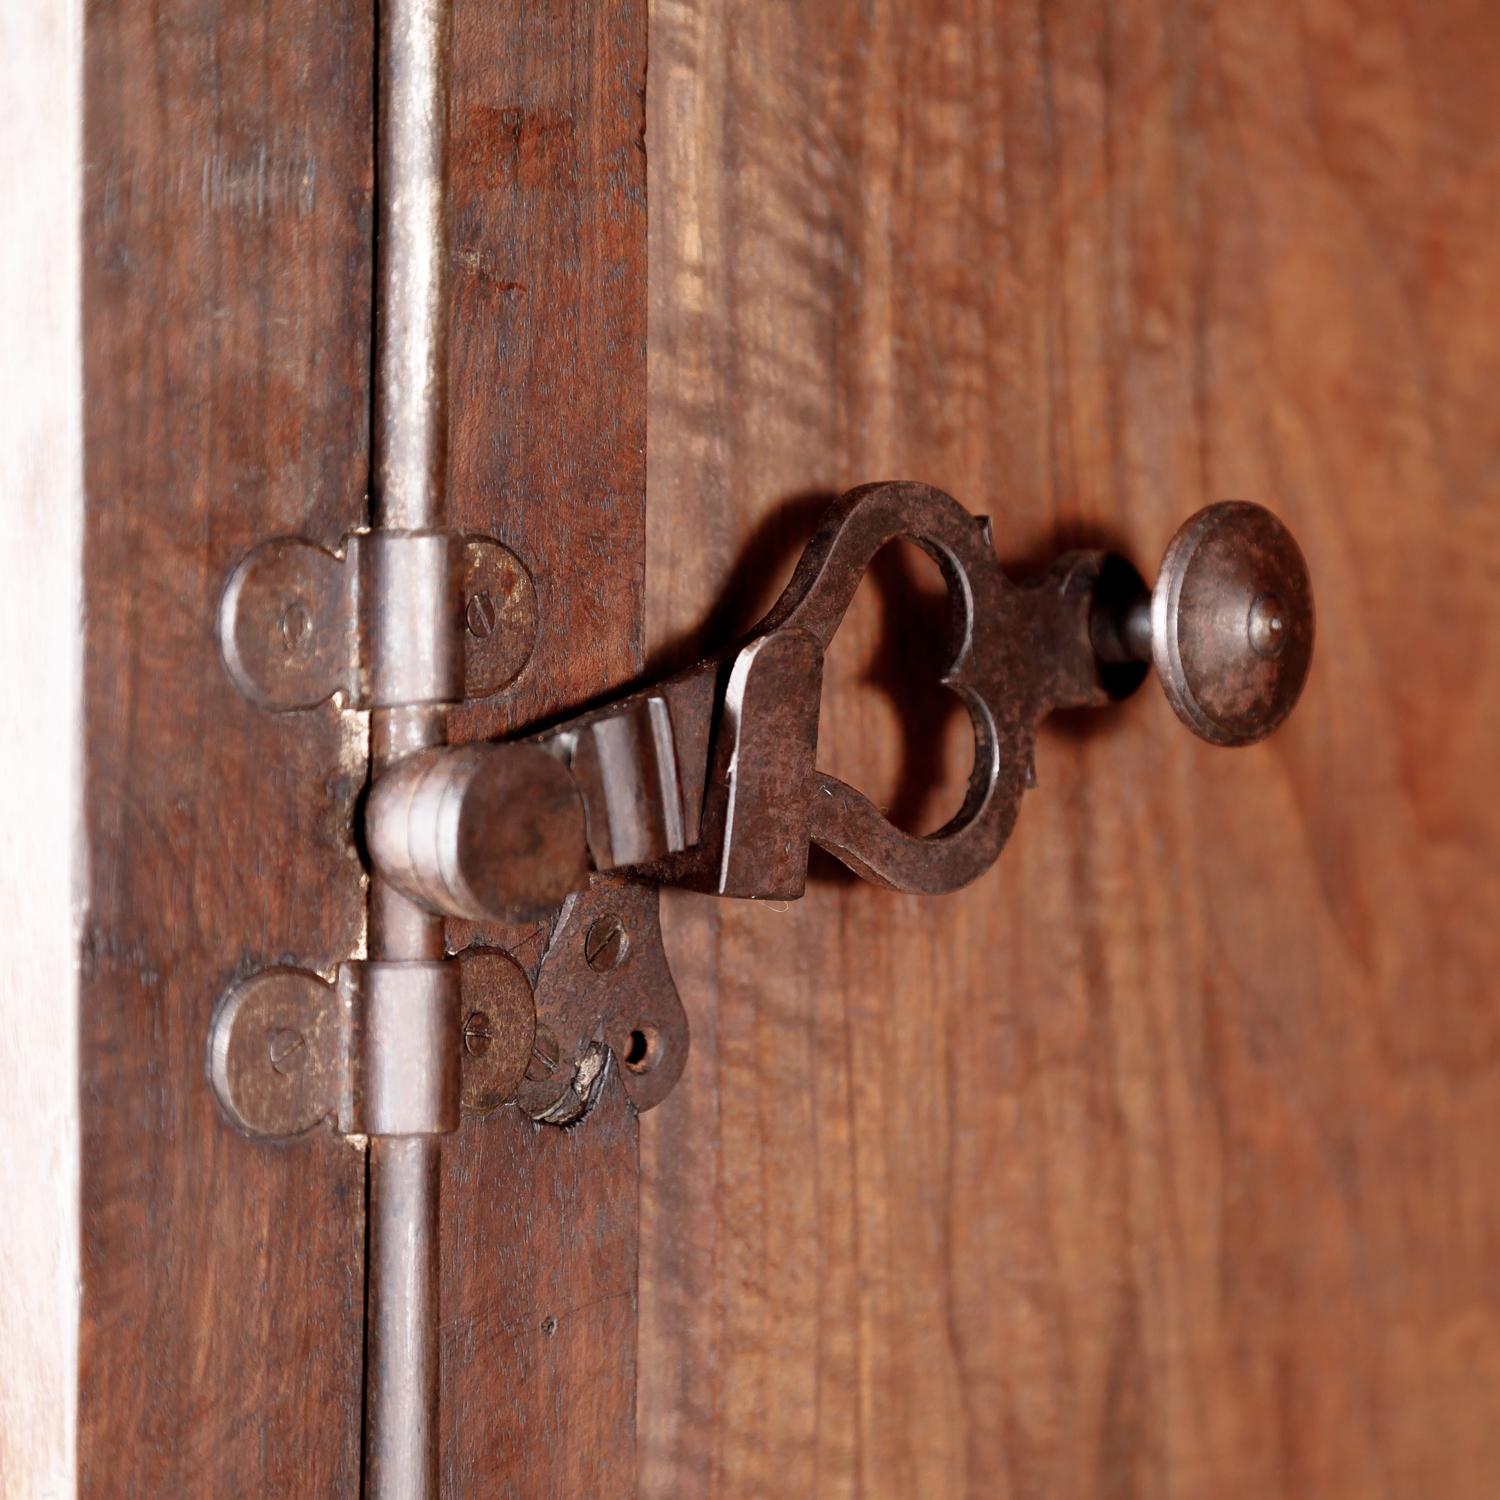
(1231, 623)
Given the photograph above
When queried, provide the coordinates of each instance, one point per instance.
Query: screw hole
(640, 1055)
(549, 1326)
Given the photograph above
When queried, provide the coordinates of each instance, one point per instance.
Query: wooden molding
(41, 63)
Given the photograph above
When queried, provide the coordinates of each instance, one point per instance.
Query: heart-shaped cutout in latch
(888, 723)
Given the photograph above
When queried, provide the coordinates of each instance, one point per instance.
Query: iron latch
(707, 780)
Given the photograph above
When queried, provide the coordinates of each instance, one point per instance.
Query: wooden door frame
(41, 872)
(187, 373)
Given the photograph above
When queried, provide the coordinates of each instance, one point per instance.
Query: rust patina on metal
(709, 780)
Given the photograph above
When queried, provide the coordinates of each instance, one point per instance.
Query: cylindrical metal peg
(480, 831)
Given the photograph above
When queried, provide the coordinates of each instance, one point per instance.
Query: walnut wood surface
(548, 379)
(1160, 1162)
(226, 284)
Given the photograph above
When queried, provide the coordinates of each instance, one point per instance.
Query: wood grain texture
(1157, 1163)
(227, 237)
(548, 380)
(41, 479)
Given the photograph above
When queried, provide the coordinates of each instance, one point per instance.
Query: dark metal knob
(1229, 626)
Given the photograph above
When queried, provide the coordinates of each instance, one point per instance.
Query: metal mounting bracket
(406, 1048)
(298, 623)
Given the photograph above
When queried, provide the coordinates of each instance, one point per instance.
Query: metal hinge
(299, 624)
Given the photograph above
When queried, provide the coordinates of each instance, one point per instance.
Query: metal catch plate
(604, 990)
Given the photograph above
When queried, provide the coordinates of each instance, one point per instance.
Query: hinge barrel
(411, 460)
(405, 1054)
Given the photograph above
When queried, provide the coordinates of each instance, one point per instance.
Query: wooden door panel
(1155, 1163)
(227, 282)
(548, 393)
(227, 232)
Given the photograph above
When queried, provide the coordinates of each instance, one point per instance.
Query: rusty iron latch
(706, 781)
(709, 780)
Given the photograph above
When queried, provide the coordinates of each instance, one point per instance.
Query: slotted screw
(477, 1034)
(480, 615)
(606, 943)
(287, 1049)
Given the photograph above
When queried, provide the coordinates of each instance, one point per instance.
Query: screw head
(606, 943)
(287, 1049)
(478, 1034)
(295, 626)
(480, 615)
